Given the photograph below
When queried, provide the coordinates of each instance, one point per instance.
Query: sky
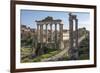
(28, 17)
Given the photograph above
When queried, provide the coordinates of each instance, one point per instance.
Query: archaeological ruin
(73, 53)
(54, 38)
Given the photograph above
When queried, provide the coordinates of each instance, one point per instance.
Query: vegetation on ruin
(28, 42)
(26, 55)
(84, 49)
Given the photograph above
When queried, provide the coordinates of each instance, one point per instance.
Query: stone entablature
(48, 21)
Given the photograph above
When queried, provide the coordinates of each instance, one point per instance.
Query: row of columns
(40, 31)
(73, 53)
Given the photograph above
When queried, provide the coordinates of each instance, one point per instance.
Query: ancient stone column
(73, 53)
(46, 33)
(41, 33)
(56, 36)
(61, 46)
(71, 41)
(41, 51)
(71, 32)
(38, 33)
(51, 33)
(76, 38)
(76, 29)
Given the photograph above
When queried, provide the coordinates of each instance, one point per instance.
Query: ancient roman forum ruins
(51, 38)
(55, 38)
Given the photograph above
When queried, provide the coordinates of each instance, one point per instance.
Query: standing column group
(73, 53)
(40, 34)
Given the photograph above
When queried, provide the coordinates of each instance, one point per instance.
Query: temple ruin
(57, 40)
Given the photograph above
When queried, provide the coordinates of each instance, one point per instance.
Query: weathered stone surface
(72, 50)
(49, 35)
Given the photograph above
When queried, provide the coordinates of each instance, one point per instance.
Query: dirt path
(59, 55)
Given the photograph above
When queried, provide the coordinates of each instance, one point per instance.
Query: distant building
(65, 35)
(24, 28)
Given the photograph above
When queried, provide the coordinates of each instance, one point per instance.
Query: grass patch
(50, 54)
(25, 54)
(84, 57)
